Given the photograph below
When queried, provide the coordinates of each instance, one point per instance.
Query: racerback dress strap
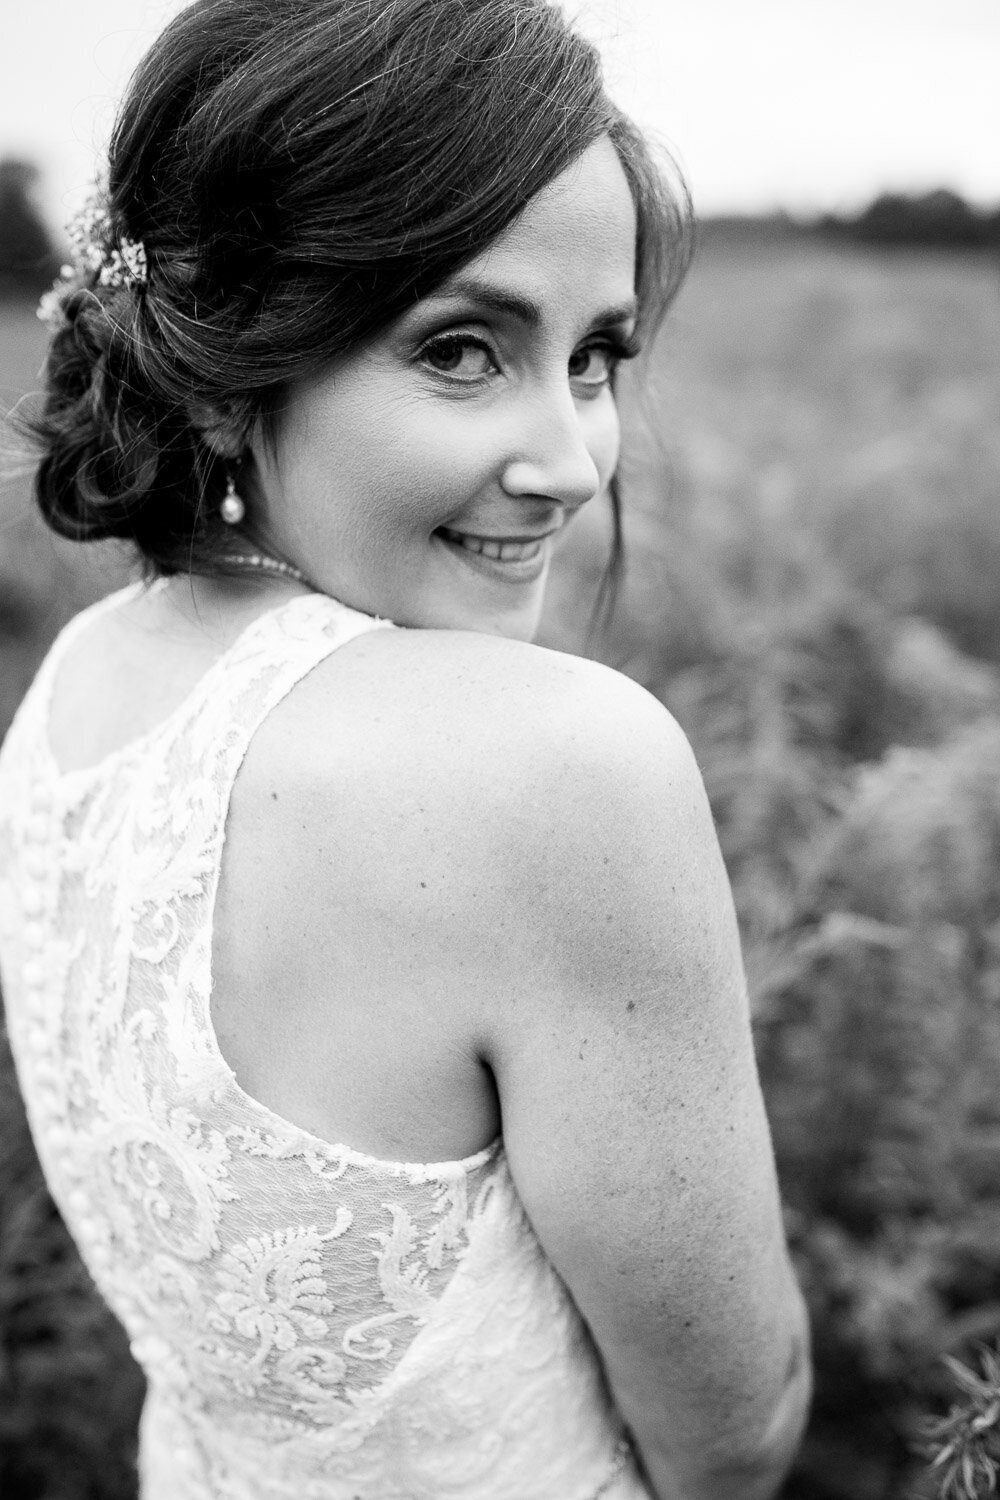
(204, 741)
(248, 680)
(176, 796)
(273, 652)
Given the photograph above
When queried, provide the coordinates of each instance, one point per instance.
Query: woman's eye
(459, 356)
(593, 366)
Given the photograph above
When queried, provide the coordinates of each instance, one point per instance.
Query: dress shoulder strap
(228, 702)
(176, 803)
(215, 725)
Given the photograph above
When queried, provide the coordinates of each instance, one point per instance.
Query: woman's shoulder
(478, 763)
(497, 717)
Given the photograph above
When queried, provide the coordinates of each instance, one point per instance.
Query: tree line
(940, 219)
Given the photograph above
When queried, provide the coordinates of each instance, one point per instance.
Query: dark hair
(298, 172)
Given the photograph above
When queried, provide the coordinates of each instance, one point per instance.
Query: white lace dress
(314, 1323)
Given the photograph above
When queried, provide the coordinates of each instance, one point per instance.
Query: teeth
(498, 551)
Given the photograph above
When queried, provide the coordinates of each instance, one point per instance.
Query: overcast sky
(802, 104)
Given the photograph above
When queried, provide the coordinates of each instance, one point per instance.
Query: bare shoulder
(523, 823)
(500, 721)
(461, 782)
(513, 848)
(501, 778)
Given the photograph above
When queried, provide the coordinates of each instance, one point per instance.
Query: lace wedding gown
(314, 1323)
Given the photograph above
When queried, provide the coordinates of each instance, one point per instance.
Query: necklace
(263, 562)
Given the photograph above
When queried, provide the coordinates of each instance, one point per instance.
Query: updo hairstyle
(298, 172)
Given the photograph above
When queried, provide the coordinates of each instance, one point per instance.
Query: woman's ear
(217, 429)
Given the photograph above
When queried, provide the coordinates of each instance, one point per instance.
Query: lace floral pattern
(313, 1322)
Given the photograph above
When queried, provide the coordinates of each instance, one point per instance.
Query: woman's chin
(490, 595)
(517, 619)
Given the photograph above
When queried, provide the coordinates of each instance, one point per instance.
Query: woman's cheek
(604, 436)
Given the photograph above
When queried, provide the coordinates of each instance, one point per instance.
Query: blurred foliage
(814, 593)
(28, 260)
(815, 539)
(879, 1045)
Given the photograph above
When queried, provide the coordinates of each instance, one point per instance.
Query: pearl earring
(232, 508)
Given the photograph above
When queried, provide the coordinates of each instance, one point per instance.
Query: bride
(371, 972)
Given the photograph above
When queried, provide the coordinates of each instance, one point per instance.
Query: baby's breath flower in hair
(101, 257)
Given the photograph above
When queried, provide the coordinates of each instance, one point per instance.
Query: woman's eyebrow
(501, 300)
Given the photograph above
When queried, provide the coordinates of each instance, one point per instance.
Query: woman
(278, 874)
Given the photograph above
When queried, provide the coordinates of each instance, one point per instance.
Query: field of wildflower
(813, 487)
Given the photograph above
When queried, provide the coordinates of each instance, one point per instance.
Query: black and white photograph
(500, 750)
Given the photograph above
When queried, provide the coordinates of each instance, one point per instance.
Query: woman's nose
(553, 461)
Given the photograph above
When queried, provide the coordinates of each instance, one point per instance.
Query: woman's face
(424, 476)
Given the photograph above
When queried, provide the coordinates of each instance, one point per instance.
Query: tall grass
(813, 520)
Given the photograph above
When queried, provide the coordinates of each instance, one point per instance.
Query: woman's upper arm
(632, 1113)
(533, 834)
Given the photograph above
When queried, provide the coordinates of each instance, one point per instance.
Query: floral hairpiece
(97, 251)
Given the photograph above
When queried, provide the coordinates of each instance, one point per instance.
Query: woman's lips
(519, 559)
(501, 549)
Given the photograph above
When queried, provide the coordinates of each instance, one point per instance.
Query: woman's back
(350, 313)
(309, 1015)
(313, 1320)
